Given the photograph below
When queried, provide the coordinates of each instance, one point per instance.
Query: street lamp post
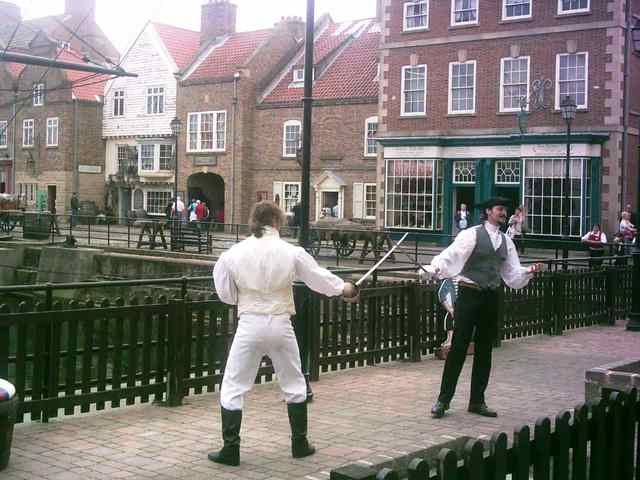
(568, 107)
(176, 129)
(634, 317)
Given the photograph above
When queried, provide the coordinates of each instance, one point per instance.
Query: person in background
(627, 228)
(514, 231)
(619, 250)
(201, 211)
(463, 217)
(169, 208)
(75, 208)
(596, 240)
(177, 209)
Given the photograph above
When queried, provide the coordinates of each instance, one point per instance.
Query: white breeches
(256, 336)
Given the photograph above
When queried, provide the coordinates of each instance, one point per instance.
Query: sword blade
(375, 267)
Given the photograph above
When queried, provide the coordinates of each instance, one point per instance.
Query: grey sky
(122, 19)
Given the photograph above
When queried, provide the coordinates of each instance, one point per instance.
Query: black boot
(300, 446)
(230, 453)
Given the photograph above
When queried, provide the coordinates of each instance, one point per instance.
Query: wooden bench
(192, 234)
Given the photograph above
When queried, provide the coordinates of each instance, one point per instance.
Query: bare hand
(536, 267)
(350, 293)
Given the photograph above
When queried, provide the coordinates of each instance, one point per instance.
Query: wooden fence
(595, 442)
(65, 358)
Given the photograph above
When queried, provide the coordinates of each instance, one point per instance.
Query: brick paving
(357, 415)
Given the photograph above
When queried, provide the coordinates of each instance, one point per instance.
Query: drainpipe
(625, 112)
(14, 150)
(75, 177)
(234, 109)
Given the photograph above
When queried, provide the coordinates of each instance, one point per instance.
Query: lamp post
(634, 317)
(176, 129)
(568, 107)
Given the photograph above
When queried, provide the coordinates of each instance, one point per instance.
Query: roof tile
(352, 74)
(182, 44)
(224, 60)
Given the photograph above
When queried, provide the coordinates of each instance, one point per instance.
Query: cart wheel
(344, 245)
(314, 244)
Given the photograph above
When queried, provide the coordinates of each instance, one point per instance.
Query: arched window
(138, 200)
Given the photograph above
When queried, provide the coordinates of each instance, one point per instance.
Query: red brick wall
(338, 146)
(488, 54)
(545, 14)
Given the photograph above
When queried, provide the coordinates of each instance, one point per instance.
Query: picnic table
(151, 228)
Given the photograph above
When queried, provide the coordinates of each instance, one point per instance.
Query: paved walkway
(357, 414)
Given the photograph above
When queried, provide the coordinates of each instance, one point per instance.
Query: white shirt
(452, 260)
(257, 274)
(603, 237)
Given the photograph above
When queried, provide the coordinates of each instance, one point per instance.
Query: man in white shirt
(480, 259)
(257, 275)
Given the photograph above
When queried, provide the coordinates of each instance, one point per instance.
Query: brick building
(454, 74)
(344, 126)
(216, 101)
(51, 119)
(137, 116)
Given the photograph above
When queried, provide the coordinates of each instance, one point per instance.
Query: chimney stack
(379, 10)
(218, 19)
(293, 25)
(80, 9)
(9, 13)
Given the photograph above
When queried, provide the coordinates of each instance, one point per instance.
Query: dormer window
(64, 45)
(298, 75)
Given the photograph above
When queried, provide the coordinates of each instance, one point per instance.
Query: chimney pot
(218, 19)
(81, 8)
(9, 13)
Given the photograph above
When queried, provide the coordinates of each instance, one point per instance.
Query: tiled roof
(15, 69)
(223, 60)
(182, 44)
(50, 26)
(352, 74)
(85, 88)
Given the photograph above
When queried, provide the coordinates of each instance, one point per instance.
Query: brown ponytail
(265, 214)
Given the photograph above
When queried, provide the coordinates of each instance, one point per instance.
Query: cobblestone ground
(357, 415)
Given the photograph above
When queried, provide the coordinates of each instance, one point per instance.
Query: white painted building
(139, 166)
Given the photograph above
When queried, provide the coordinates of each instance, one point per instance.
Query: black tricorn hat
(493, 202)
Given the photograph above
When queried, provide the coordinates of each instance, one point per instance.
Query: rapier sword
(381, 261)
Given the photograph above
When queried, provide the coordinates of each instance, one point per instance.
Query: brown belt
(473, 286)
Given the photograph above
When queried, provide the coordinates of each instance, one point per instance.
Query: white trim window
(155, 100)
(544, 194)
(286, 194)
(416, 15)
(464, 172)
(53, 125)
(507, 172)
(573, 6)
(147, 155)
(155, 157)
(138, 199)
(28, 191)
(370, 131)
(207, 131)
(514, 83)
(156, 201)
(298, 75)
(165, 157)
(27, 132)
(464, 12)
(413, 194)
(118, 103)
(572, 71)
(364, 200)
(462, 87)
(414, 90)
(4, 128)
(122, 158)
(38, 94)
(291, 137)
(516, 9)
